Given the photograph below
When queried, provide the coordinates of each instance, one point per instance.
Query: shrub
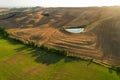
(3, 32)
(43, 47)
(116, 68)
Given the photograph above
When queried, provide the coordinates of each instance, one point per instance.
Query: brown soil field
(100, 40)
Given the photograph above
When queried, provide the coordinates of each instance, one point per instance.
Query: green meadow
(22, 62)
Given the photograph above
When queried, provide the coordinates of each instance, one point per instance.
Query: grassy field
(21, 62)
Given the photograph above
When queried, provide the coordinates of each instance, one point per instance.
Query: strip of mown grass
(22, 62)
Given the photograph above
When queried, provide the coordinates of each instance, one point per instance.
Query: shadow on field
(118, 73)
(45, 57)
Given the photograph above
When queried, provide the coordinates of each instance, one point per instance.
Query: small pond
(75, 30)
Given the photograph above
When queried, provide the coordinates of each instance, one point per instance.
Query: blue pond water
(75, 30)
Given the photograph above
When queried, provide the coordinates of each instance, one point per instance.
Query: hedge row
(48, 49)
(61, 52)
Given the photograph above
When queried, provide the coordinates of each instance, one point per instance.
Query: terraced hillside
(99, 40)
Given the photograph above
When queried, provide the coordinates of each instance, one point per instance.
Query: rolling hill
(99, 40)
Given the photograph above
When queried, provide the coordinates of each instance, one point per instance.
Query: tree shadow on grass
(46, 57)
(118, 73)
(72, 58)
(50, 58)
(111, 71)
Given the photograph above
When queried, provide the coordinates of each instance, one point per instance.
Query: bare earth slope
(100, 39)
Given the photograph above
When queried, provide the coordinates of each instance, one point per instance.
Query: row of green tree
(60, 52)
